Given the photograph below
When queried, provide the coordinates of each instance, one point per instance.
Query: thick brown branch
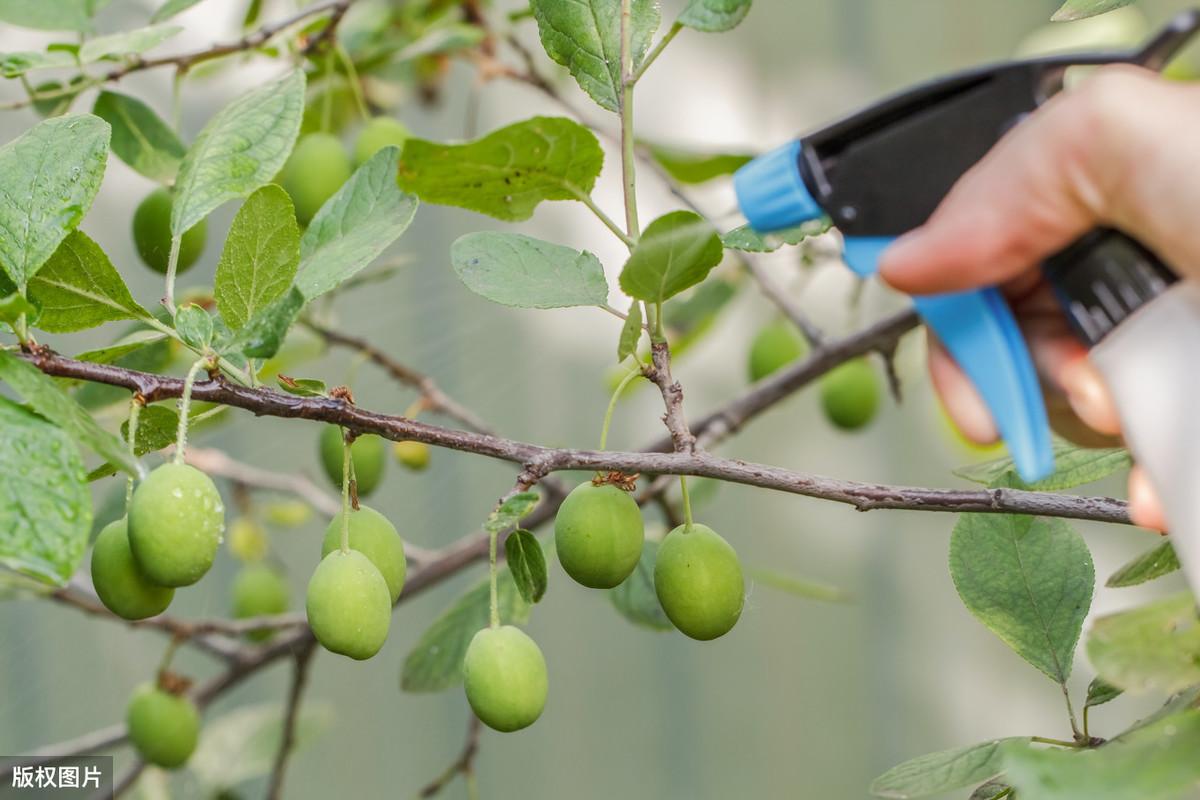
(541, 460)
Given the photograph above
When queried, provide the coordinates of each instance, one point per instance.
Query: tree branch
(545, 460)
(288, 740)
(464, 764)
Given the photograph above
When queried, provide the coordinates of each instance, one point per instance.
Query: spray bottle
(881, 173)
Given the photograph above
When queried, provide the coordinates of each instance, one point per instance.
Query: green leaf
(48, 179)
(691, 166)
(171, 8)
(139, 137)
(264, 333)
(14, 65)
(195, 326)
(44, 397)
(749, 240)
(1154, 646)
(303, 387)
(675, 252)
(635, 597)
(126, 44)
(1073, 466)
(1153, 563)
(260, 257)
(354, 226)
(1081, 9)
(1029, 580)
(14, 305)
(941, 772)
(446, 38)
(79, 288)
(585, 37)
(157, 427)
(631, 332)
(242, 147)
(436, 661)
(516, 270)
(122, 347)
(1157, 762)
(507, 173)
(51, 15)
(242, 744)
(45, 505)
(808, 590)
(1100, 692)
(527, 564)
(511, 511)
(714, 16)
(992, 790)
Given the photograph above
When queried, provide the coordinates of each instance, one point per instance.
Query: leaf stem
(352, 77)
(347, 465)
(1055, 742)
(608, 221)
(612, 405)
(687, 503)
(185, 401)
(628, 144)
(172, 267)
(657, 51)
(327, 99)
(1079, 737)
(660, 333)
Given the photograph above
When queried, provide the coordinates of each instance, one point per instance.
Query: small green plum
(598, 535)
(176, 520)
(314, 172)
(260, 590)
(775, 346)
(376, 538)
(378, 134)
(414, 455)
(152, 235)
(367, 453)
(850, 394)
(348, 605)
(699, 583)
(119, 582)
(505, 677)
(247, 539)
(163, 727)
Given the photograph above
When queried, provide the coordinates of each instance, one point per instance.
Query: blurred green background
(802, 699)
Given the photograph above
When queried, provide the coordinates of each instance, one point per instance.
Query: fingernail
(1089, 397)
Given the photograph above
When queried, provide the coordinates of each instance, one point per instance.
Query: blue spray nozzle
(772, 193)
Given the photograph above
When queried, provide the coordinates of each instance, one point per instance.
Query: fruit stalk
(687, 503)
(347, 464)
(172, 267)
(135, 410)
(612, 406)
(185, 401)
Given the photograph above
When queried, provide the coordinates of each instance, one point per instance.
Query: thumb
(1097, 155)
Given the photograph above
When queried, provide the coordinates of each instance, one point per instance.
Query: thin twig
(463, 765)
(287, 741)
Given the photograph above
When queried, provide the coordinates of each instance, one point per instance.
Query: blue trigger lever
(976, 327)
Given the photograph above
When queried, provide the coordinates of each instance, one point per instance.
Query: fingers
(1144, 507)
(1111, 152)
(961, 400)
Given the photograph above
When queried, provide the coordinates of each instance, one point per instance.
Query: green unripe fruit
(698, 580)
(378, 134)
(775, 346)
(163, 727)
(258, 591)
(414, 455)
(247, 539)
(850, 394)
(598, 535)
(348, 605)
(175, 524)
(119, 582)
(372, 535)
(152, 235)
(315, 171)
(505, 677)
(287, 513)
(367, 453)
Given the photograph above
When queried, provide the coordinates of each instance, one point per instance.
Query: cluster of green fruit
(849, 392)
(369, 457)
(598, 536)
(317, 168)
